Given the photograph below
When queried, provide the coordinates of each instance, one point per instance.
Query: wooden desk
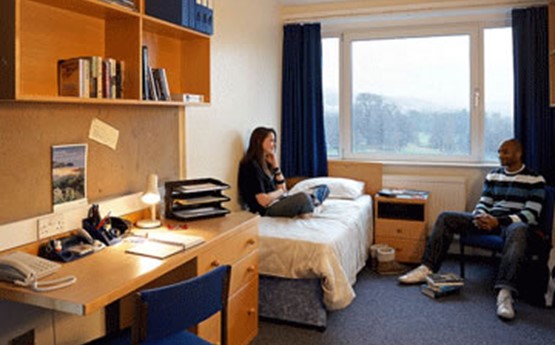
(111, 274)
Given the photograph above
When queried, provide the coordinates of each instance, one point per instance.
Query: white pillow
(340, 188)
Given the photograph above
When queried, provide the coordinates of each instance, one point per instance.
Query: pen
(103, 221)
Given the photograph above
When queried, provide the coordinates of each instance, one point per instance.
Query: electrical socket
(50, 226)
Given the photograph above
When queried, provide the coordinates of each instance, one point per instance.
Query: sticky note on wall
(104, 133)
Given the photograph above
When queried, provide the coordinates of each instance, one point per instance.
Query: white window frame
(473, 26)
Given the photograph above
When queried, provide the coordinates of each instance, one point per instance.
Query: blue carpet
(385, 313)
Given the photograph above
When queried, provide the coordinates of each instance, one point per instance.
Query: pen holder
(107, 235)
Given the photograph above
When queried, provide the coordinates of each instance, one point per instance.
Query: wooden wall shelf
(38, 33)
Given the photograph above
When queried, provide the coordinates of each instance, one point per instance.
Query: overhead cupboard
(36, 34)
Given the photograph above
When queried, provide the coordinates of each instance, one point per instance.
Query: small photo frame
(69, 176)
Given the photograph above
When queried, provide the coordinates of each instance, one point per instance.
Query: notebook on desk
(161, 244)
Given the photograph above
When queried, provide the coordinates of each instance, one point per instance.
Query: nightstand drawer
(400, 229)
(405, 250)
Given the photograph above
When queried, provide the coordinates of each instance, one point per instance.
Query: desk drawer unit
(241, 252)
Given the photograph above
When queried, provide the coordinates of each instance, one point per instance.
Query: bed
(308, 265)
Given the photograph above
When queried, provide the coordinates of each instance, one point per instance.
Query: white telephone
(25, 270)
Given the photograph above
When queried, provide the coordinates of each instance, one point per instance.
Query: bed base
(293, 301)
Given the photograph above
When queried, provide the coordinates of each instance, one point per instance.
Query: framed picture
(69, 176)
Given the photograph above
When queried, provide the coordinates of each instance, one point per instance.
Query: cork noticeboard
(148, 143)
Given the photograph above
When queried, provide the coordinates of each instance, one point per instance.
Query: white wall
(246, 88)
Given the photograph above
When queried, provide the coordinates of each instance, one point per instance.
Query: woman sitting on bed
(262, 184)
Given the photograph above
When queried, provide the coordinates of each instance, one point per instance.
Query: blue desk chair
(164, 313)
(495, 243)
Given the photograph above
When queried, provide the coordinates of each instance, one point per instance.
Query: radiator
(447, 193)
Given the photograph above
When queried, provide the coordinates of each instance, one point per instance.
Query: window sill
(488, 165)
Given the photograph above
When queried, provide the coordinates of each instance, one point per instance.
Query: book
(161, 244)
(187, 98)
(161, 82)
(403, 193)
(437, 292)
(146, 91)
(74, 77)
(444, 279)
(152, 95)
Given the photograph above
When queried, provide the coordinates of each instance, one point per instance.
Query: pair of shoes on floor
(416, 276)
(505, 309)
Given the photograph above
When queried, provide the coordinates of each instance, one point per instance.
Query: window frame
(474, 27)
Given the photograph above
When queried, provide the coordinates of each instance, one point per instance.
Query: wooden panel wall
(148, 143)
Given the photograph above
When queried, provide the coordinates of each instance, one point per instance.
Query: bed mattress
(332, 244)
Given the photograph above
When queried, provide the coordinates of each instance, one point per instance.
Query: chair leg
(462, 258)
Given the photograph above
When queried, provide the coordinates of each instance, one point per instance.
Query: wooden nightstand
(401, 223)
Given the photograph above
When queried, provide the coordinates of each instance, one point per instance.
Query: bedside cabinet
(401, 223)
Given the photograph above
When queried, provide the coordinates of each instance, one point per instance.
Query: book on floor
(444, 279)
(439, 291)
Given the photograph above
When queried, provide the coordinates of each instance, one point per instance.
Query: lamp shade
(151, 195)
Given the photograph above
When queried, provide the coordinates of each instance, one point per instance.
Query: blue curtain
(303, 143)
(534, 119)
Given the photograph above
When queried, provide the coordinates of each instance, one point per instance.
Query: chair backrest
(173, 308)
(546, 218)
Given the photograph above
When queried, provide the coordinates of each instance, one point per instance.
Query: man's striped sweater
(512, 197)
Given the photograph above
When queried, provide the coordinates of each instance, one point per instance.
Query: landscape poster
(69, 166)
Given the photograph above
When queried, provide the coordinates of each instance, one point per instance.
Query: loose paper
(104, 133)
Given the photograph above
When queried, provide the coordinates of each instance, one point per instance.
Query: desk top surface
(110, 274)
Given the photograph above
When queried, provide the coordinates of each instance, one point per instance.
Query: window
(428, 94)
(330, 88)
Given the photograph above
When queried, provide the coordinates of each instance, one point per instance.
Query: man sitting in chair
(510, 204)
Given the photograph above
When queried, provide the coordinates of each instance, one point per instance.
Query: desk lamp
(150, 197)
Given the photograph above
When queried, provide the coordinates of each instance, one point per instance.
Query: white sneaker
(416, 276)
(505, 308)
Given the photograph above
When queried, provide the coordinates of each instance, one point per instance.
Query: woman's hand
(271, 159)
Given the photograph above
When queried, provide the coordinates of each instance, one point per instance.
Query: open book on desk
(161, 244)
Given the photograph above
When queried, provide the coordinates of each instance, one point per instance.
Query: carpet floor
(386, 313)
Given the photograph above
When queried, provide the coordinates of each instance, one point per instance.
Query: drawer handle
(251, 268)
(215, 263)
(251, 241)
(251, 311)
(399, 231)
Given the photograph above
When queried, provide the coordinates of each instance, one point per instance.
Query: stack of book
(91, 77)
(442, 284)
(155, 81)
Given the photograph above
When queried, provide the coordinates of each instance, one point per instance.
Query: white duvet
(332, 244)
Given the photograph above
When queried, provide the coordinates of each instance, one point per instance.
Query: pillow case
(340, 187)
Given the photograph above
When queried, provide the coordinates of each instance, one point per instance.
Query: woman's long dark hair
(255, 151)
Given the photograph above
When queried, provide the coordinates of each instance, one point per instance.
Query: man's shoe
(416, 276)
(505, 308)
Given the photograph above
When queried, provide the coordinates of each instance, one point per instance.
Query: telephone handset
(25, 270)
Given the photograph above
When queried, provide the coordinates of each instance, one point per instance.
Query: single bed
(308, 265)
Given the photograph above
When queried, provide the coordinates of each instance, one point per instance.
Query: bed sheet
(332, 244)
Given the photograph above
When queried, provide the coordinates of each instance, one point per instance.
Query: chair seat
(491, 242)
(177, 338)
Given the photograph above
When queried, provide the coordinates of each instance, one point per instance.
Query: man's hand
(486, 222)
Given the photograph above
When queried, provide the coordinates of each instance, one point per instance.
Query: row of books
(155, 81)
(91, 77)
(442, 284)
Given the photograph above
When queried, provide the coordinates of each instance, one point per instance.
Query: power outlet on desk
(50, 226)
